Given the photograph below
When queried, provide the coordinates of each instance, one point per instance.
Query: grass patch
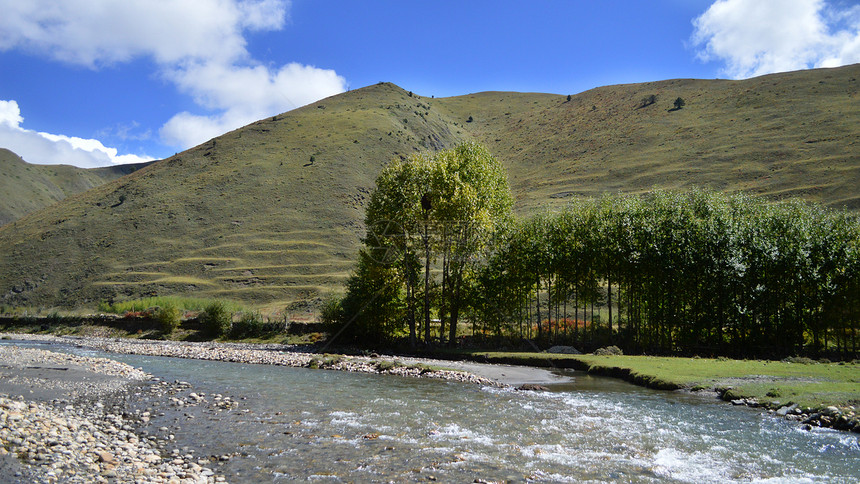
(773, 383)
(182, 303)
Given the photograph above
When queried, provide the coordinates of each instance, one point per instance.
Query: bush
(331, 313)
(608, 351)
(216, 320)
(168, 317)
(802, 360)
(250, 324)
(648, 100)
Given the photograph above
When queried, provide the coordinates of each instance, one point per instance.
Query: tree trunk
(426, 285)
(455, 308)
(537, 308)
(609, 301)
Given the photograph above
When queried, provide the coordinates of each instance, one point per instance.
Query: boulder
(783, 411)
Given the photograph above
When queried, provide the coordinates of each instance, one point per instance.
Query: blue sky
(96, 82)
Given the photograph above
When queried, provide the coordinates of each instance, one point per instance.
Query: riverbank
(66, 418)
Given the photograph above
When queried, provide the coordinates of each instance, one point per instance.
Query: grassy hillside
(246, 216)
(784, 135)
(27, 188)
(272, 213)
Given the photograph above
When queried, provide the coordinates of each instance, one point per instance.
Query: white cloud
(53, 149)
(199, 46)
(241, 95)
(755, 37)
(94, 32)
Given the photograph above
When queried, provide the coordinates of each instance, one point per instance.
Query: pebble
(85, 442)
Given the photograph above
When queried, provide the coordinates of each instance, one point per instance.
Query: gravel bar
(82, 435)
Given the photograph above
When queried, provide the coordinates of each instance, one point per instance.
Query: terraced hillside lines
(308, 270)
(27, 187)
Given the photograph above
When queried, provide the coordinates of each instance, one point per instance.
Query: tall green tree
(437, 208)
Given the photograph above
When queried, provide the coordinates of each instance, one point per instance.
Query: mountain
(271, 213)
(27, 188)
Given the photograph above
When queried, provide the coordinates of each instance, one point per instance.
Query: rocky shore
(87, 433)
(265, 354)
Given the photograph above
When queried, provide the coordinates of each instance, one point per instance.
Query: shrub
(331, 312)
(800, 360)
(648, 100)
(168, 317)
(250, 324)
(608, 351)
(679, 103)
(216, 320)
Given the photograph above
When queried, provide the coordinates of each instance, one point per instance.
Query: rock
(783, 411)
(564, 350)
(106, 457)
(532, 387)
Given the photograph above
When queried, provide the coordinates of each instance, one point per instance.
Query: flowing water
(298, 425)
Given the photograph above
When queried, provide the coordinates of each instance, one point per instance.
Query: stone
(783, 411)
(106, 457)
(564, 350)
(532, 387)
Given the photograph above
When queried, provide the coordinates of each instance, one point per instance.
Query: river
(298, 424)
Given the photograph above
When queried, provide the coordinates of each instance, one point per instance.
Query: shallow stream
(299, 425)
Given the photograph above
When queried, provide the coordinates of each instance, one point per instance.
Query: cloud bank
(198, 46)
(756, 37)
(51, 149)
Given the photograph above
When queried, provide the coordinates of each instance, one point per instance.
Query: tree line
(691, 272)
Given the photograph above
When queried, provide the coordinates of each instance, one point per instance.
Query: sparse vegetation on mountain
(648, 100)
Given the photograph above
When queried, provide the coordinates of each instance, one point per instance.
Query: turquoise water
(299, 425)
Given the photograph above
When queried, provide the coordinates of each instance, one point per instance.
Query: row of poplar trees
(668, 272)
